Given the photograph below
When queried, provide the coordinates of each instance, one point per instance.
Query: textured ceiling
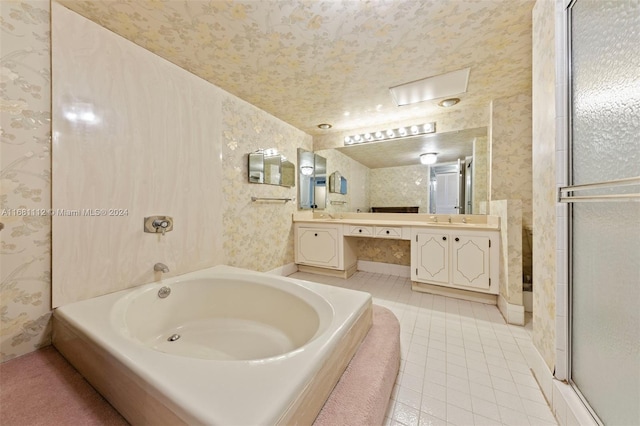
(311, 62)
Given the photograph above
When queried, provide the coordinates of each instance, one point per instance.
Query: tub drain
(173, 337)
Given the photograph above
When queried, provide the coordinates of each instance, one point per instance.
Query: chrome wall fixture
(382, 135)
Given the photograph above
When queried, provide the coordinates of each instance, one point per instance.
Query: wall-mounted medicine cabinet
(337, 183)
(268, 166)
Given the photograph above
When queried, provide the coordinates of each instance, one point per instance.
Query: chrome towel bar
(254, 199)
(565, 194)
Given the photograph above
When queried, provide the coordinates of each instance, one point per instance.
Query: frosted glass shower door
(605, 210)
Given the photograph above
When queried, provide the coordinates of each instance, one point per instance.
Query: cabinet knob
(444, 238)
(359, 230)
(457, 239)
(387, 232)
(315, 235)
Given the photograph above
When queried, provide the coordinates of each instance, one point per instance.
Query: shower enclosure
(604, 207)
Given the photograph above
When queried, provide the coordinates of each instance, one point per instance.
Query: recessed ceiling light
(324, 126)
(438, 86)
(449, 102)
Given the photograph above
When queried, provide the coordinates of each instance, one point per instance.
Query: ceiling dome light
(429, 158)
(324, 126)
(449, 102)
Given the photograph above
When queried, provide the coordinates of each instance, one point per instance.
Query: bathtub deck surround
(291, 335)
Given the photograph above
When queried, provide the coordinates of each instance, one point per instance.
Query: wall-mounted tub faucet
(161, 267)
(158, 224)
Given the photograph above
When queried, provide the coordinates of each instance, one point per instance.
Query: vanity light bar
(382, 135)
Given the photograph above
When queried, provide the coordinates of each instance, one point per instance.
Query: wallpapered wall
(544, 174)
(257, 235)
(510, 152)
(25, 247)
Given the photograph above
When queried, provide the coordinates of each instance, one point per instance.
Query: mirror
(450, 188)
(337, 183)
(269, 167)
(389, 173)
(312, 181)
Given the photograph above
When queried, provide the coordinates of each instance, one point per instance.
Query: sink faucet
(464, 220)
(161, 267)
(434, 218)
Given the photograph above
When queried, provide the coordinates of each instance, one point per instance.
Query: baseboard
(513, 314)
(473, 296)
(384, 268)
(284, 270)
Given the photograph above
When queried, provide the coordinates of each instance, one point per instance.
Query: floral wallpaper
(308, 62)
(510, 150)
(257, 235)
(544, 175)
(25, 182)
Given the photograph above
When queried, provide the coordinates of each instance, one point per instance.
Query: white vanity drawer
(388, 232)
(364, 231)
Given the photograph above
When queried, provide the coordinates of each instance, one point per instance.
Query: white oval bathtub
(226, 346)
(232, 318)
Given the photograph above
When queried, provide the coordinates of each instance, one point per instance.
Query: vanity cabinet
(460, 259)
(458, 256)
(318, 246)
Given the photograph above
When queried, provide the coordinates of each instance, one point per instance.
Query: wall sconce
(401, 132)
(429, 158)
(306, 170)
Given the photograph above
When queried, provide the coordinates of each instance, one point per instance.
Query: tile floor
(461, 363)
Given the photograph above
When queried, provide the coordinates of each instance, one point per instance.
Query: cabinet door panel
(317, 246)
(432, 257)
(470, 261)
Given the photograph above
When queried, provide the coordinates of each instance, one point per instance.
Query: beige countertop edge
(369, 222)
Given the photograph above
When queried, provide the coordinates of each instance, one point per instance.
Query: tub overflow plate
(173, 337)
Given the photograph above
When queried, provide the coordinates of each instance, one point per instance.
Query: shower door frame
(567, 180)
(564, 181)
